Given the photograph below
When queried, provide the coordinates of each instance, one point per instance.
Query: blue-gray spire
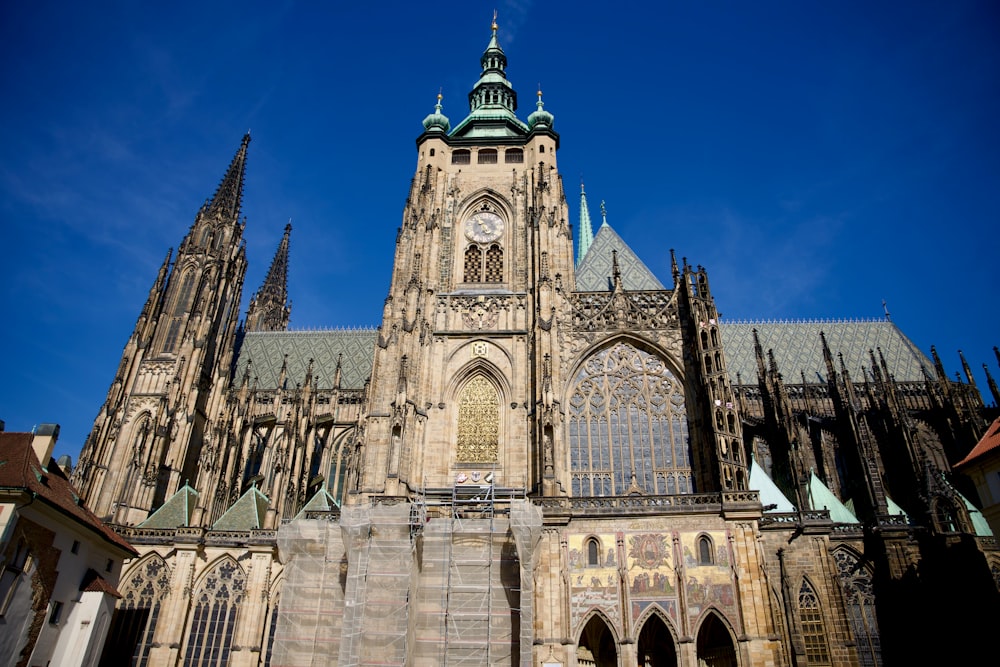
(586, 236)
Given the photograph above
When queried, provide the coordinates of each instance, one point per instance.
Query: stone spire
(586, 230)
(269, 308)
(228, 196)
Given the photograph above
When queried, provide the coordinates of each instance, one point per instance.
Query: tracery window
(813, 629)
(478, 422)
(130, 637)
(857, 582)
(215, 614)
(627, 415)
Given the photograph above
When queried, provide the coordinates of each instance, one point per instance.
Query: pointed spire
(269, 309)
(493, 90)
(586, 230)
(604, 214)
(156, 291)
(228, 197)
(992, 385)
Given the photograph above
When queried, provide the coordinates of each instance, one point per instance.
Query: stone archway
(715, 644)
(596, 647)
(656, 644)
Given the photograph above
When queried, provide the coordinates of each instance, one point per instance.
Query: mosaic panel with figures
(593, 575)
(707, 566)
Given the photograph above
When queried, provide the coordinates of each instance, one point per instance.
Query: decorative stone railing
(646, 505)
(611, 311)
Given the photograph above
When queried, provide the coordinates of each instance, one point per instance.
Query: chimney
(44, 442)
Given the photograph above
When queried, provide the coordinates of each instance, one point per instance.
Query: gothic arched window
(494, 264)
(131, 634)
(473, 264)
(813, 628)
(857, 582)
(705, 551)
(593, 552)
(478, 422)
(627, 417)
(183, 299)
(216, 609)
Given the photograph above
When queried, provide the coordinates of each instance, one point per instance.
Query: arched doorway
(715, 644)
(596, 647)
(656, 644)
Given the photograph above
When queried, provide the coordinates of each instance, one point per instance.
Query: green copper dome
(540, 118)
(437, 120)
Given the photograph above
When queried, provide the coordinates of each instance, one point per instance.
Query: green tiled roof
(267, 350)
(246, 513)
(798, 349)
(174, 513)
(769, 492)
(322, 501)
(595, 271)
(822, 498)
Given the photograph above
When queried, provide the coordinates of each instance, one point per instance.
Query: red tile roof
(989, 443)
(95, 583)
(21, 471)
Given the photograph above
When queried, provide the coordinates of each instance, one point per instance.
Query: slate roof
(266, 350)
(595, 272)
(21, 471)
(797, 347)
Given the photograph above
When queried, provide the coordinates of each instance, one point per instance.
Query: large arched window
(478, 422)
(131, 634)
(216, 609)
(857, 582)
(813, 628)
(627, 416)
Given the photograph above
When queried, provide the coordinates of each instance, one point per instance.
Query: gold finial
(439, 93)
(539, 90)
(494, 26)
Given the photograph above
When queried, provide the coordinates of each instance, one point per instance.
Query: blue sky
(815, 157)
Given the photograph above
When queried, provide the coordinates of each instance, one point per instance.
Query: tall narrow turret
(269, 309)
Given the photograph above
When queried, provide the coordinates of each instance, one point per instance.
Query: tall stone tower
(175, 366)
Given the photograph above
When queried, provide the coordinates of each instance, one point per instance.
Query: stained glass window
(131, 634)
(215, 614)
(627, 416)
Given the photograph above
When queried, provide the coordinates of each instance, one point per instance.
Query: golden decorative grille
(494, 264)
(478, 422)
(473, 264)
(627, 416)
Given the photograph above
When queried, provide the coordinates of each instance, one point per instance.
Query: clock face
(483, 227)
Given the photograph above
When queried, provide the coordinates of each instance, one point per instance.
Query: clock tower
(466, 349)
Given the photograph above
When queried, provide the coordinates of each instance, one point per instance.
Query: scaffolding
(434, 580)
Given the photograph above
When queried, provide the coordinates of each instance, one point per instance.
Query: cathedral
(540, 457)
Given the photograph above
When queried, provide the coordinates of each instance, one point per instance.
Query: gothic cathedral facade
(536, 459)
